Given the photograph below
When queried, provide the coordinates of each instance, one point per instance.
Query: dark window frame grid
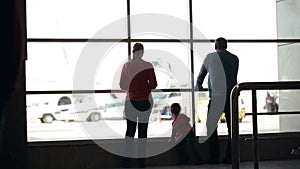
(129, 40)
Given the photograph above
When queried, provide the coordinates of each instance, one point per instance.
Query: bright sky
(50, 66)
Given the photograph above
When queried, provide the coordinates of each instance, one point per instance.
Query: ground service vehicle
(75, 108)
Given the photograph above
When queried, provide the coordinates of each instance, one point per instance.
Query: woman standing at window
(138, 79)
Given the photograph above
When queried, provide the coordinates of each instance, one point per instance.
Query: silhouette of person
(222, 69)
(183, 135)
(271, 104)
(138, 79)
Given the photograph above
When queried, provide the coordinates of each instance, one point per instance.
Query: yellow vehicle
(202, 108)
(242, 111)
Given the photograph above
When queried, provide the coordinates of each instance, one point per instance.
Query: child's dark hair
(175, 108)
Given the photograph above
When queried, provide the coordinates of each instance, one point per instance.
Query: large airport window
(171, 62)
(50, 66)
(144, 18)
(95, 116)
(76, 50)
(233, 19)
(73, 19)
(59, 66)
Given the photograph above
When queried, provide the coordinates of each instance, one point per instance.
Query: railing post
(255, 131)
(235, 143)
(287, 85)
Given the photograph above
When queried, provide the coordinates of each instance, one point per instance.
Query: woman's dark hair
(221, 44)
(175, 108)
(137, 47)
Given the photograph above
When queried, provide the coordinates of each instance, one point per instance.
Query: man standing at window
(222, 68)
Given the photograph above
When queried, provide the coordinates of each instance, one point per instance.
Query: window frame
(129, 42)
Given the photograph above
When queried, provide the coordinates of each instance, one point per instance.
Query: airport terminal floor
(287, 164)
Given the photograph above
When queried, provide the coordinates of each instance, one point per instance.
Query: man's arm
(237, 68)
(201, 77)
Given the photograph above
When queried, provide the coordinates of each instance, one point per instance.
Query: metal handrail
(253, 86)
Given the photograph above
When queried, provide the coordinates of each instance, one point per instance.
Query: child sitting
(183, 135)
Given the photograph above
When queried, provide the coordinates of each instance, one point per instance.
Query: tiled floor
(289, 164)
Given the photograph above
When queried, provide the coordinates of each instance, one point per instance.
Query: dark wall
(13, 145)
(88, 155)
